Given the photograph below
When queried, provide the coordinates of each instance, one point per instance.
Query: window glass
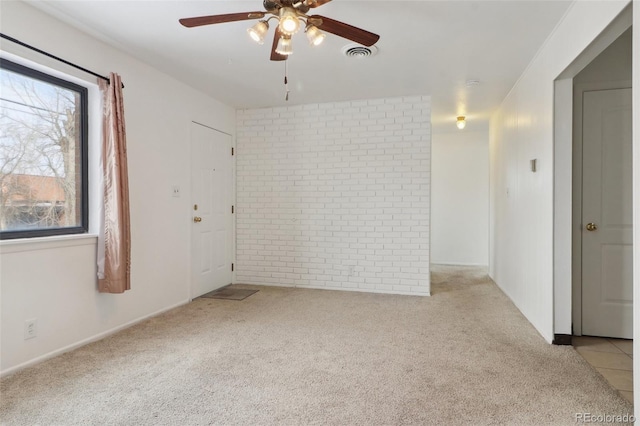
(43, 154)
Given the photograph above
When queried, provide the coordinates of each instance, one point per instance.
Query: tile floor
(613, 358)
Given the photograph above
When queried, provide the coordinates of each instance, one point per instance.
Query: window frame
(83, 227)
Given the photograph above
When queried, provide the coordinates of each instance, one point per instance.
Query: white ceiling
(425, 48)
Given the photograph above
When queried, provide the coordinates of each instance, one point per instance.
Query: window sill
(47, 243)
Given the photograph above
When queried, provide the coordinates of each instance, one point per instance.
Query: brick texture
(335, 195)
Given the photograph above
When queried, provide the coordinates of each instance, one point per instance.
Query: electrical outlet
(30, 328)
(175, 191)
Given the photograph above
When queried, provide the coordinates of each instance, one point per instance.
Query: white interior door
(607, 292)
(211, 201)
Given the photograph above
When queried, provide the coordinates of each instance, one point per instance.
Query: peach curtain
(116, 276)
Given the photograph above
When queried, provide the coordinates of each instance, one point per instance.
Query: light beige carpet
(295, 357)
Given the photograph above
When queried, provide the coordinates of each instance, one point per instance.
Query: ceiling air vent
(358, 51)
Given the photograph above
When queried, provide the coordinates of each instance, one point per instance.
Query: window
(43, 154)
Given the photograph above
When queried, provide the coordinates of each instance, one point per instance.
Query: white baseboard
(358, 290)
(86, 341)
(461, 264)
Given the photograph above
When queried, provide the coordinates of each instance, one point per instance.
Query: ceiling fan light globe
(461, 122)
(289, 21)
(258, 31)
(314, 35)
(254, 36)
(318, 40)
(284, 46)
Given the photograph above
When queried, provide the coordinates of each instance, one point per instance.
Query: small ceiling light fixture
(461, 122)
(314, 35)
(289, 21)
(284, 45)
(258, 31)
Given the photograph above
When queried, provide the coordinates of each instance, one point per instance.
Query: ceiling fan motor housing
(270, 5)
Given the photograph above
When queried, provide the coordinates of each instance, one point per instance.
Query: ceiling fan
(290, 14)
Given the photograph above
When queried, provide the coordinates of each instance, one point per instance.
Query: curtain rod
(57, 58)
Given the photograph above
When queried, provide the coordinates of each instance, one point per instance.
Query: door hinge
(232, 267)
(232, 209)
(232, 151)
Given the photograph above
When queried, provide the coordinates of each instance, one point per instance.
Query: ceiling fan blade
(346, 31)
(274, 55)
(316, 3)
(219, 19)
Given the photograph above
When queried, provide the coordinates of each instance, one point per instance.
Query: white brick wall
(335, 195)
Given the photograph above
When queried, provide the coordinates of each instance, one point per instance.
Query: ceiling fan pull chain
(286, 82)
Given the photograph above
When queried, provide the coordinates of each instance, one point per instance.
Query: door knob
(591, 226)
(197, 219)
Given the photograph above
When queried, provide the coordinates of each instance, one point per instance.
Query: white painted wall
(521, 251)
(460, 198)
(335, 195)
(54, 281)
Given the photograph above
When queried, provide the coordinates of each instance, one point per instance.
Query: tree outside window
(43, 154)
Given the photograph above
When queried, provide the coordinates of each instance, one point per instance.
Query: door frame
(576, 234)
(563, 221)
(189, 211)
